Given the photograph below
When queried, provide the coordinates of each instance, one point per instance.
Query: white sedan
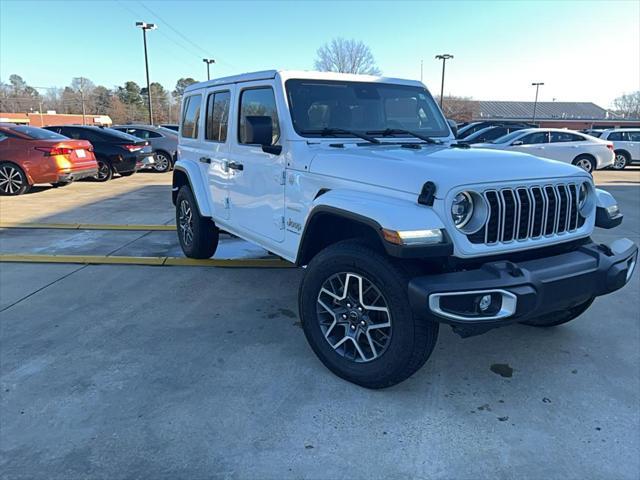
(567, 146)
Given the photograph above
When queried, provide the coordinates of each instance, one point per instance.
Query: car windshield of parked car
(317, 105)
(37, 133)
(508, 137)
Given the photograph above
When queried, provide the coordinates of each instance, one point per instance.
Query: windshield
(38, 133)
(317, 105)
(508, 137)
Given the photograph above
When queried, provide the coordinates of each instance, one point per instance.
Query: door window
(634, 136)
(217, 119)
(191, 116)
(535, 138)
(562, 137)
(258, 102)
(618, 137)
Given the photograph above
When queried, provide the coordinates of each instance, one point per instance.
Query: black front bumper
(531, 288)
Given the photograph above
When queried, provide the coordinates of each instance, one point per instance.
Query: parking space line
(89, 226)
(158, 261)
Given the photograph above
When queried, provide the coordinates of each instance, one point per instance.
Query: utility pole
(421, 64)
(208, 61)
(147, 26)
(84, 113)
(444, 57)
(535, 103)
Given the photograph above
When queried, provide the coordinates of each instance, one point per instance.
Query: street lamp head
(537, 84)
(444, 56)
(208, 60)
(146, 26)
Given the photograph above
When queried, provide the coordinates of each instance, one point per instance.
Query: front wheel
(563, 316)
(355, 313)
(198, 235)
(13, 181)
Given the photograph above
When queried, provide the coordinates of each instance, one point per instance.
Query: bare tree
(346, 56)
(628, 105)
(460, 109)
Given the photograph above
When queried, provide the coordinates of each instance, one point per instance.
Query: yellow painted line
(166, 261)
(89, 226)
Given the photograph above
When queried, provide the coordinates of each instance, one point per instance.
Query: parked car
(31, 155)
(626, 146)
(594, 132)
(361, 180)
(116, 152)
(163, 141)
(171, 126)
(471, 128)
(567, 146)
(489, 134)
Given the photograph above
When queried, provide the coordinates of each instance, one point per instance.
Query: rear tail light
(132, 148)
(52, 151)
(610, 146)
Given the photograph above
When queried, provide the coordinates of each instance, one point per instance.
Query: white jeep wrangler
(359, 179)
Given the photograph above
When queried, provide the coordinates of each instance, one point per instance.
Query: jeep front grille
(524, 213)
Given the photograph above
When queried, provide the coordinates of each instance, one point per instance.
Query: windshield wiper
(400, 131)
(330, 132)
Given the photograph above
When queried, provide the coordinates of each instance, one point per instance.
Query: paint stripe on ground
(158, 261)
(89, 226)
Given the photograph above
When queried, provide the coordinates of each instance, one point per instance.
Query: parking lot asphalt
(114, 371)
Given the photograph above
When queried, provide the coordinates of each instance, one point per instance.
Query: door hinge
(281, 223)
(227, 203)
(282, 178)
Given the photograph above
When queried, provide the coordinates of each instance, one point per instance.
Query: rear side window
(562, 137)
(191, 117)
(634, 136)
(618, 137)
(217, 116)
(258, 102)
(534, 138)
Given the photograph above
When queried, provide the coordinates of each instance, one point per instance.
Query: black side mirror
(259, 131)
(454, 126)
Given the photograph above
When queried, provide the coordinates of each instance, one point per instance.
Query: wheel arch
(183, 174)
(22, 169)
(623, 151)
(586, 155)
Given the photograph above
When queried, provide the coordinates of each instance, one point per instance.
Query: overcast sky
(581, 50)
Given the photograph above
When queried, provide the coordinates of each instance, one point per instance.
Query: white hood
(407, 169)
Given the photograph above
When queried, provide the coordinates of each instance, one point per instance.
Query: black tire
(163, 162)
(13, 180)
(621, 160)
(586, 162)
(105, 172)
(127, 174)
(198, 235)
(410, 339)
(558, 318)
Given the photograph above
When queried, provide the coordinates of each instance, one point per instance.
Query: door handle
(205, 159)
(235, 166)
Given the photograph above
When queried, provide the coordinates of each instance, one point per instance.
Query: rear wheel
(355, 313)
(13, 180)
(198, 235)
(105, 172)
(621, 160)
(162, 162)
(585, 162)
(558, 318)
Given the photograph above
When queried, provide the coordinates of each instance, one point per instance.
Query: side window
(2, 136)
(151, 134)
(71, 133)
(535, 138)
(563, 137)
(634, 136)
(258, 102)
(191, 116)
(616, 137)
(217, 119)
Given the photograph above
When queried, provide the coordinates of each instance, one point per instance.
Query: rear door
(634, 144)
(534, 143)
(566, 146)
(257, 191)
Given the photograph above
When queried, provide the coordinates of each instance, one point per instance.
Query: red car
(30, 155)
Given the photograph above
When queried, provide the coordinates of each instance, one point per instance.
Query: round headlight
(583, 195)
(462, 209)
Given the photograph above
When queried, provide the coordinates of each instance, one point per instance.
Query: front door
(257, 191)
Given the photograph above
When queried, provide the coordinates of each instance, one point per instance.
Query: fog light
(613, 211)
(484, 303)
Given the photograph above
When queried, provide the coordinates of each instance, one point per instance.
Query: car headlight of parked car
(462, 209)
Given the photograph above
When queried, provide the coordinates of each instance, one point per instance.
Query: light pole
(535, 103)
(444, 57)
(147, 26)
(421, 64)
(208, 61)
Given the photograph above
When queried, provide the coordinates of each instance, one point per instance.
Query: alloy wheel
(10, 180)
(619, 162)
(354, 317)
(185, 222)
(103, 170)
(585, 164)
(162, 163)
